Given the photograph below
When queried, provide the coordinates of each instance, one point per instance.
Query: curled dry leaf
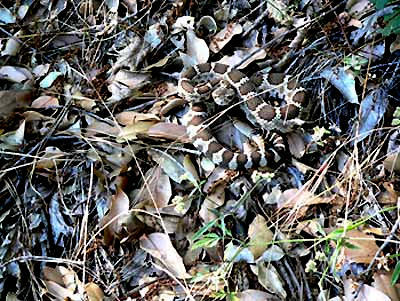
(158, 190)
(224, 36)
(296, 144)
(260, 235)
(160, 247)
(116, 217)
(45, 101)
(98, 126)
(343, 80)
(172, 166)
(197, 48)
(251, 55)
(169, 131)
(41, 70)
(219, 176)
(214, 200)
(300, 200)
(63, 283)
(255, 295)
(269, 278)
(13, 45)
(14, 139)
(132, 80)
(383, 282)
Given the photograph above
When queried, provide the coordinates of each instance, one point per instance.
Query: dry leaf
(169, 131)
(197, 48)
(116, 217)
(364, 249)
(45, 101)
(160, 247)
(260, 235)
(10, 100)
(158, 190)
(296, 144)
(255, 295)
(15, 74)
(224, 36)
(94, 292)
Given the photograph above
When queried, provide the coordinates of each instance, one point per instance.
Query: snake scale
(201, 81)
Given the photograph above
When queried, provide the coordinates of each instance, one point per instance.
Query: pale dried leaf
(214, 200)
(382, 282)
(129, 118)
(343, 80)
(235, 253)
(130, 132)
(13, 45)
(172, 167)
(49, 157)
(296, 144)
(364, 249)
(6, 16)
(260, 235)
(255, 295)
(251, 55)
(41, 70)
(45, 101)
(171, 131)
(50, 78)
(132, 80)
(160, 247)
(60, 292)
(94, 292)
(12, 140)
(15, 74)
(197, 48)
(224, 36)
(353, 292)
(117, 215)
(269, 278)
(158, 190)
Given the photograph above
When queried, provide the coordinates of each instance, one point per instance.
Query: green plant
(392, 19)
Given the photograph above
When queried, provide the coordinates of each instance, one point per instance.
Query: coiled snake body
(199, 81)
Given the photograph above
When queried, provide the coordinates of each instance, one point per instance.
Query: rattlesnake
(199, 81)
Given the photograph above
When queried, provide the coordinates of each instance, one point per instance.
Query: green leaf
(204, 229)
(207, 241)
(350, 246)
(396, 274)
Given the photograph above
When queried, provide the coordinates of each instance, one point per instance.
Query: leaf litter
(105, 198)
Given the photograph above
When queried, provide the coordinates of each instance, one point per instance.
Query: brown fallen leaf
(156, 192)
(45, 101)
(116, 217)
(160, 247)
(10, 100)
(224, 36)
(260, 235)
(364, 249)
(169, 131)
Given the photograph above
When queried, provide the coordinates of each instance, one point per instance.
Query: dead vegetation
(103, 196)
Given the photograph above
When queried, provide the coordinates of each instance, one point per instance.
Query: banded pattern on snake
(202, 80)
